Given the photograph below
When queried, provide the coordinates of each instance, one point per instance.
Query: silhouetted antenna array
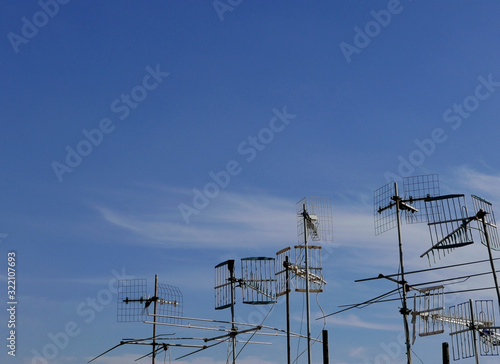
(314, 222)
(134, 304)
(258, 283)
(388, 205)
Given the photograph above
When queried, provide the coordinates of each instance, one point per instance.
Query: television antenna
(450, 226)
(133, 306)
(466, 323)
(286, 266)
(314, 221)
(388, 205)
(258, 284)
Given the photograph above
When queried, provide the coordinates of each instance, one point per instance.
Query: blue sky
(164, 138)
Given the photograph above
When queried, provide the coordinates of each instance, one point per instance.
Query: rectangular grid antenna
(462, 338)
(430, 309)
(384, 213)
(449, 225)
(489, 335)
(132, 300)
(223, 284)
(416, 189)
(463, 327)
(319, 210)
(281, 270)
(491, 227)
(169, 303)
(258, 280)
(298, 269)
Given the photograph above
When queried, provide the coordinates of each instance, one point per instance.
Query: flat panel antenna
(316, 212)
(416, 190)
(132, 299)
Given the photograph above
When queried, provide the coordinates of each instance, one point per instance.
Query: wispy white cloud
(351, 320)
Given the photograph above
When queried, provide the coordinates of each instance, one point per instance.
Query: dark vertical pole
(308, 311)
(233, 328)
(488, 244)
(154, 319)
(446, 353)
(326, 356)
(473, 329)
(288, 353)
(404, 309)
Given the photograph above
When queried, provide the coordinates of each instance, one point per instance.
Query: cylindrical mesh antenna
(298, 268)
(258, 280)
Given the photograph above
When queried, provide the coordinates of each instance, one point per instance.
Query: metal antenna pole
(481, 215)
(233, 327)
(404, 309)
(308, 314)
(154, 319)
(473, 328)
(287, 287)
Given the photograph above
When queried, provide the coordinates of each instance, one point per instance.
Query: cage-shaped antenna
(466, 322)
(449, 225)
(429, 309)
(483, 208)
(134, 304)
(316, 280)
(258, 280)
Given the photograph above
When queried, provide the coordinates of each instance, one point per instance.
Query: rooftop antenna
(466, 323)
(314, 221)
(134, 303)
(258, 284)
(450, 226)
(387, 207)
